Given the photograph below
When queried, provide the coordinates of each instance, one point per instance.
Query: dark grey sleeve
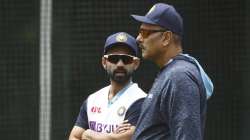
(82, 119)
(183, 108)
(134, 111)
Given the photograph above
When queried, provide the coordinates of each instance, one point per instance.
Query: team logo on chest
(121, 111)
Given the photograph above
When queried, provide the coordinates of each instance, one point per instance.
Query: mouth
(120, 72)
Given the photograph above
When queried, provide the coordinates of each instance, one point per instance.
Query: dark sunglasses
(145, 32)
(115, 58)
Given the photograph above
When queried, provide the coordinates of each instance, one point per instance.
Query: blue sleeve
(82, 119)
(134, 111)
(183, 108)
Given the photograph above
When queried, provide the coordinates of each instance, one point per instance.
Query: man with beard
(120, 102)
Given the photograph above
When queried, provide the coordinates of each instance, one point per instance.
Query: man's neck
(168, 55)
(116, 87)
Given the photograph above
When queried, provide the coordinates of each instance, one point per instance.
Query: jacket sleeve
(182, 100)
(134, 111)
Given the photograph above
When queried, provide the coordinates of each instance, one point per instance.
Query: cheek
(128, 67)
(153, 49)
(151, 43)
(109, 68)
(130, 70)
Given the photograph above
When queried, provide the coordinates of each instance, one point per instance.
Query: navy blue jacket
(175, 108)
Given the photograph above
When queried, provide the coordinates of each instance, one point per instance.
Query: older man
(175, 108)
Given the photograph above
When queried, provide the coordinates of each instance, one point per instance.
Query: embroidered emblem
(121, 37)
(121, 111)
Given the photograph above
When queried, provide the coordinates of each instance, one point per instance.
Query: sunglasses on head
(115, 58)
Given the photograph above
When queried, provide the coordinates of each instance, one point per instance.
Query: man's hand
(123, 127)
(123, 132)
(86, 135)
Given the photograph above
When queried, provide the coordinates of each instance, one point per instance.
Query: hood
(205, 78)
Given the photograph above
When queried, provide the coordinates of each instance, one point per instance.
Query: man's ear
(167, 36)
(136, 63)
(104, 65)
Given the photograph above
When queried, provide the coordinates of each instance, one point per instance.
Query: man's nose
(120, 63)
(139, 38)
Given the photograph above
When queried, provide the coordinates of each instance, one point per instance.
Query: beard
(121, 76)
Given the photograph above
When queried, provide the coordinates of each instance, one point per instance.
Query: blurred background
(217, 33)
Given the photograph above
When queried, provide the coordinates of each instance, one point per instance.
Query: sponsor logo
(95, 109)
(100, 127)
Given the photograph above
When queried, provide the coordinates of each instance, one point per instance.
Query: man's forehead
(150, 26)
